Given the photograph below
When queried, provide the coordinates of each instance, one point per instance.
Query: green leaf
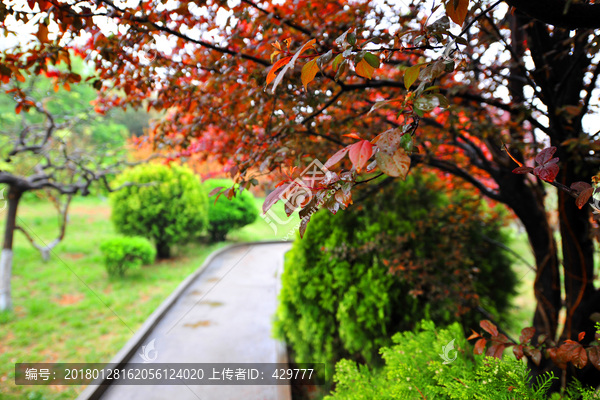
(411, 75)
(343, 66)
(427, 102)
(372, 59)
(337, 61)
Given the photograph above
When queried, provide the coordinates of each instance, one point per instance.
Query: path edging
(97, 388)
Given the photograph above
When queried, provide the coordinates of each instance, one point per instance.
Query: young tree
(449, 86)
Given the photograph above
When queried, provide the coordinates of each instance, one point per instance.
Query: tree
(172, 210)
(60, 167)
(455, 89)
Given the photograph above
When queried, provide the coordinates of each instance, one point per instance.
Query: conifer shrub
(406, 253)
(414, 369)
(226, 215)
(171, 209)
(122, 254)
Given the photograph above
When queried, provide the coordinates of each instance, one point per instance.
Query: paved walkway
(225, 316)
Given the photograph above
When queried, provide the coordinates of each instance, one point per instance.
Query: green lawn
(68, 310)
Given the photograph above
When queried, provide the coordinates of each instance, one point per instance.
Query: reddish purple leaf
(526, 335)
(580, 186)
(273, 197)
(215, 191)
(336, 157)
(518, 351)
(522, 170)
(545, 155)
(547, 172)
(480, 346)
(536, 356)
(583, 197)
(489, 327)
(360, 152)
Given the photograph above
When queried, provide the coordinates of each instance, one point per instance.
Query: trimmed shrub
(126, 253)
(226, 215)
(405, 254)
(414, 369)
(174, 210)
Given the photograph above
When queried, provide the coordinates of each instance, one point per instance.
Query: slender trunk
(163, 250)
(529, 208)
(14, 195)
(581, 298)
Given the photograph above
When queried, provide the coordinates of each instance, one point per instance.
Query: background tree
(61, 165)
(461, 88)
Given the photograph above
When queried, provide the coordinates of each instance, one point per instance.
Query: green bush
(339, 299)
(172, 210)
(226, 215)
(414, 369)
(126, 253)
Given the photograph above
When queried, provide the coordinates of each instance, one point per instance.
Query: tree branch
(578, 14)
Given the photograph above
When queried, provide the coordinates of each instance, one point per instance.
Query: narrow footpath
(224, 316)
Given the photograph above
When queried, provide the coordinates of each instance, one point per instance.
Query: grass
(68, 309)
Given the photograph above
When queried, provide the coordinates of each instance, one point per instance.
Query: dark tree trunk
(581, 299)
(163, 250)
(14, 195)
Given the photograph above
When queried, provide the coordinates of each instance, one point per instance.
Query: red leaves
(569, 351)
(489, 327)
(457, 10)
(273, 197)
(522, 170)
(585, 192)
(280, 63)
(479, 346)
(579, 357)
(594, 356)
(518, 351)
(495, 350)
(215, 191)
(547, 169)
(527, 335)
(360, 152)
(536, 356)
(336, 157)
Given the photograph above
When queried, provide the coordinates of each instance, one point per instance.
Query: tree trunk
(581, 298)
(14, 195)
(163, 250)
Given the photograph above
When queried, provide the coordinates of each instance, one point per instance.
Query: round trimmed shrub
(404, 254)
(173, 209)
(226, 215)
(126, 253)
